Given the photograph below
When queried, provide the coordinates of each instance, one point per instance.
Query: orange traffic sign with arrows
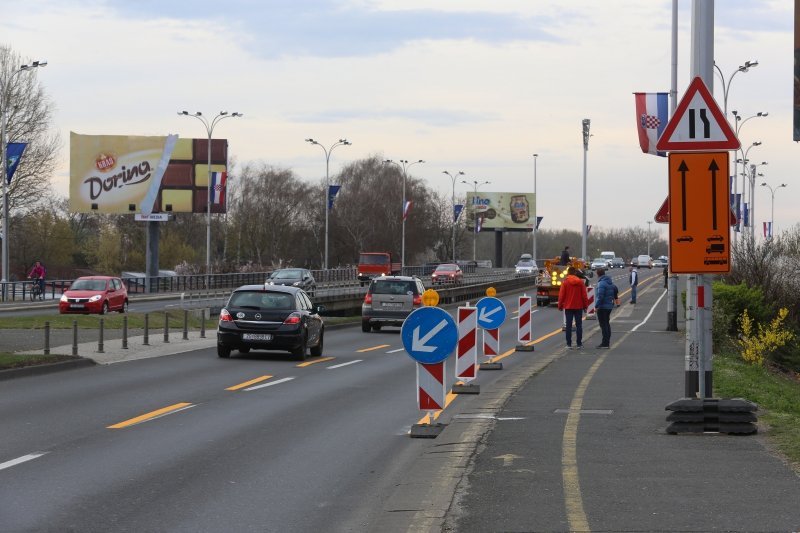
(699, 210)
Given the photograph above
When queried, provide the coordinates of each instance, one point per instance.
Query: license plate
(76, 306)
(392, 304)
(256, 337)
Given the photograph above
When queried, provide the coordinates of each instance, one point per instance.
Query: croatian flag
(406, 209)
(652, 115)
(767, 230)
(218, 180)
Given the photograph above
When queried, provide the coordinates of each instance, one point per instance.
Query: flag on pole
(588, 228)
(218, 181)
(478, 224)
(333, 190)
(767, 230)
(457, 211)
(13, 154)
(538, 221)
(406, 209)
(746, 215)
(652, 115)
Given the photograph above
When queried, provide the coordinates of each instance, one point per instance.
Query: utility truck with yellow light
(552, 276)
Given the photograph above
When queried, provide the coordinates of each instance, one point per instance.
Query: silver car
(389, 300)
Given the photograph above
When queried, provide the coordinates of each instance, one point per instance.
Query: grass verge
(11, 360)
(777, 395)
(110, 321)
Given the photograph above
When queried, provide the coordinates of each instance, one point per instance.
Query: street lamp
(535, 210)
(753, 167)
(453, 178)
(209, 125)
(727, 86)
(772, 215)
(475, 184)
(405, 165)
(738, 126)
(649, 222)
(586, 122)
(340, 142)
(744, 160)
(4, 97)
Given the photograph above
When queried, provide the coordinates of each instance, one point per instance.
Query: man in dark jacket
(573, 300)
(633, 278)
(564, 261)
(604, 303)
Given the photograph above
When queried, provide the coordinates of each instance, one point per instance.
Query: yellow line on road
(535, 341)
(151, 415)
(362, 350)
(315, 361)
(248, 383)
(447, 401)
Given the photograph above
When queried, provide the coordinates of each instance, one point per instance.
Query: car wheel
(104, 309)
(365, 326)
(376, 327)
(124, 308)
(299, 353)
(244, 349)
(223, 351)
(316, 351)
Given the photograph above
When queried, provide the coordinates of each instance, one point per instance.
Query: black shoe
(606, 346)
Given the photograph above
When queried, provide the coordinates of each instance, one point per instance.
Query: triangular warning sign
(698, 124)
(662, 215)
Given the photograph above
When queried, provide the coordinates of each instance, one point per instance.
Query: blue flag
(538, 221)
(333, 190)
(457, 211)
(13, 155)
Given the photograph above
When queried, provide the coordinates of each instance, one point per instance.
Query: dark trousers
(577, 316)
(633, 294)
(604, 320)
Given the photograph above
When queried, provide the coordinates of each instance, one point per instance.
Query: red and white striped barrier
(430, 387)
(524, 320)
(591, 314)
(491, 342)
(467, 347)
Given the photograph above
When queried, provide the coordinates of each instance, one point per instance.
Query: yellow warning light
(430, 298)
(491, 292)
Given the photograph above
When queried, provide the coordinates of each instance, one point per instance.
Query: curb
(37, 370)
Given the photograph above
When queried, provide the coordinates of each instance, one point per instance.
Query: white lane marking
(643, 322)
(19, 460)
(270, 384)
(397, 350)
(340, 365)
(532, 311)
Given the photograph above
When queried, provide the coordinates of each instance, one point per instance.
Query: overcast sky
(467, 85)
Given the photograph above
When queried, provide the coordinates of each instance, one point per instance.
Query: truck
(551, 276)
(374, 264)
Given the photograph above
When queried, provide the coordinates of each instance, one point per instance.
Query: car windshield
(287, 274)
(373, 259)
(599, 260)
(262, 300)
(525, 263)
(88, 285)
(446, 268)
(397, 287)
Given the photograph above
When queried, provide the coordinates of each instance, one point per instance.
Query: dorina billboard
(134, 174)
(511, 211)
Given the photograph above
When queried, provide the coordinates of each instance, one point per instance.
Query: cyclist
(38, 274)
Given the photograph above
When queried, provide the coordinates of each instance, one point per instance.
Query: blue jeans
(604, 320)
(633, 294)
(577, 315)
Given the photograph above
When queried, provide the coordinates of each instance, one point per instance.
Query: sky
(476, 86)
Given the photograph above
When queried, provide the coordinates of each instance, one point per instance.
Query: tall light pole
(739, 123)
(475, 184)
(340, 142)
(453, 178)
(4, 103)
(753, 167)
(649, 222)
(744, 160)
(405, 165)
(586, 123)
(535, 210)
(726, 87)
(772, 214)
(209, 125)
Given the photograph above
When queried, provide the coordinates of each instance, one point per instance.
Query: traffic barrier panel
(491, 342)
(467, 347)
(430, 387)
(524, 324)
(591, 314)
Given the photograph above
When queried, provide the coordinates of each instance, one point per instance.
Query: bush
(730, 302)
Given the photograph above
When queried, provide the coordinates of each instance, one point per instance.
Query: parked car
(389, 300)
(618, 262)
(94, 294)
(660, 262)
(270, 317)
(642, 261)
(294, 277)
(599, 262)
(447, 273)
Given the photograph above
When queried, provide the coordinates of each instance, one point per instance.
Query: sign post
(491, 315)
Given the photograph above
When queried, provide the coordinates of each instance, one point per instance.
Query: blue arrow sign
(429, 335)
(491, 313)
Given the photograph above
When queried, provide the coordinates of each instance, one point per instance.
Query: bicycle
(36, 291)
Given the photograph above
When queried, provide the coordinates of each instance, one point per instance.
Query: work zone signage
(699, 212)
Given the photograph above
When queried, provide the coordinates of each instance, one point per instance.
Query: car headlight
(297, 283)
(64, 298)
(96, 297)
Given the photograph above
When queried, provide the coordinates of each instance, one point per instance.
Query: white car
(525, 267)
(599, 262)
(642, 261)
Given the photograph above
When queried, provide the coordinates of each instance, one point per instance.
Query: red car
(447, 273)
(94, 294)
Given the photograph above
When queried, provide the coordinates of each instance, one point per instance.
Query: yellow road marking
(447, 401)
(248, 383)
(362, 350)
(151, 415)
(535, 341)
(315, 361)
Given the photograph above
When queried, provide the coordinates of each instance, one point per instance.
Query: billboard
(122, 174)
(508, 211)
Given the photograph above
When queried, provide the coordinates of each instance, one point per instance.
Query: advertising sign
(510, 211)
(123, 174)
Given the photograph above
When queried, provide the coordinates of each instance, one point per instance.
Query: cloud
(429, 117)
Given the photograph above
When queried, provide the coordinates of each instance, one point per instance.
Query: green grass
(10, 360)
(777, 395)
(111, 321)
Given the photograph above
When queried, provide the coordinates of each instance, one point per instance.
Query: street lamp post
(453, 178)
(649, 222)
(586, 123)
(209, 125)
(475, 184)
(4, 97)
(340, 142)
(405, 165)
(753, 167)
(744, 160)
(535, 210)
(727, 86)
(739, 123)
(772, 214)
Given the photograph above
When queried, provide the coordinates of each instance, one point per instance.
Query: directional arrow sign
(491, 313)
(429, 335)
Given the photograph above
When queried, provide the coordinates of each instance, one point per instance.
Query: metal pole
(146, 340)
(649, 225)
(166, 326)
(327, 201)
(100, 338)
(753, 203)
(47, 338)
(586, 125)
(5, 184)
(75, 338)
(185, 324)
(672, 281)
(535, 209)
(208, 214)
(403, 230)
(125, 332)
(203, 324)
(453, 202)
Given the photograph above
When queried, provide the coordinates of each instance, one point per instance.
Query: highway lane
(321, 450)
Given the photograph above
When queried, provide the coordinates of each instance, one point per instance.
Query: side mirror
(319, 309)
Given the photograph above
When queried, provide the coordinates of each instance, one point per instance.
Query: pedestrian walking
(666, 275)
(604, 296)
(564, 261)
(573, 300)
(633, 278)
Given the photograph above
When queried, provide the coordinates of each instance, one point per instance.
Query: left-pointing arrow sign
(429, 335)
(421, 344)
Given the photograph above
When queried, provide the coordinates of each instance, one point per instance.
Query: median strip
(362, 350)
(248, 383)
(315, 361)
(152, 415)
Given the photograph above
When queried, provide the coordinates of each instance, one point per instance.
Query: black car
(270, 317)
(294, 277)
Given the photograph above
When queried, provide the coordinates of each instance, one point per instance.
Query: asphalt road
(311, 448)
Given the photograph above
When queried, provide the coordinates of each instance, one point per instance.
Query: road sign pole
(690, 359)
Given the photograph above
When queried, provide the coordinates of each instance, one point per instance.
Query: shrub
(730, 301)
(759, 342)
